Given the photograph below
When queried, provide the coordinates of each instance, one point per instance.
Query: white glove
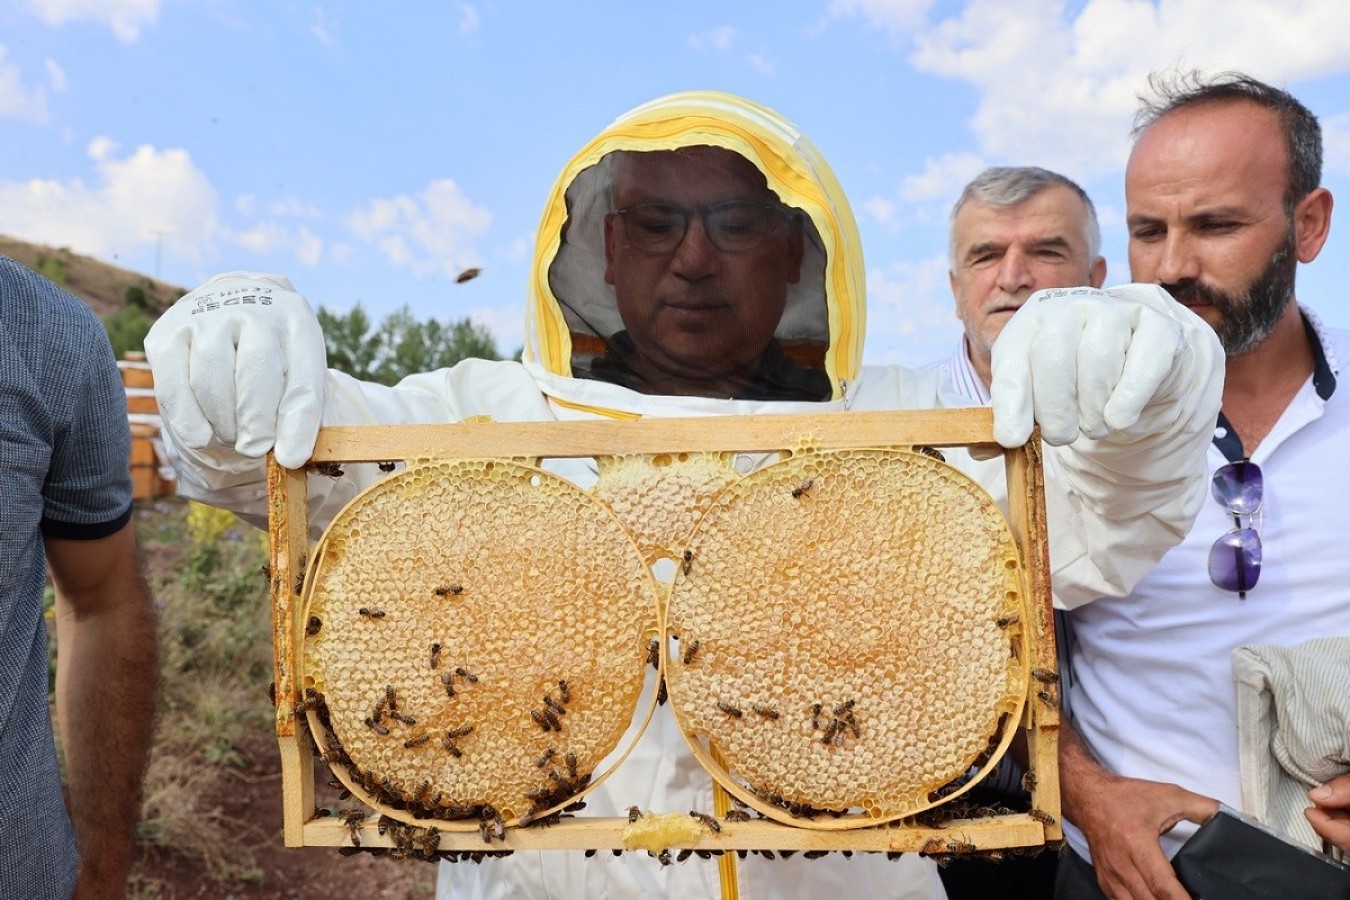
(1083, 360)
(240, 361)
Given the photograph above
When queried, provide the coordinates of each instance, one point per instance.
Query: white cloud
(433, 231)
(56, 76)
(885, 211)
(720, 39)
(1059, 90)
(17, 100)
(942, 178)
(895, 17)
(138, 200)
(760, 64)
(309, 247)
(1336, 143)
(910, 313)
(468, 19)
(124, 17)
(320, 28)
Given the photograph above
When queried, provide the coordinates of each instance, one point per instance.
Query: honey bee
(843, 707)
(403, 717)
(931, 846)
(468, 274)
(420, 795)
(461, 731)
(331, 469)
(1045, 675)
(713, 824)
(562, 691)
(832, 732)
(388, 465)
(688, 562)
(690, 652)
(1029, 782)
(932, 452)
(466, 675)
(1008, 620)
(554, 705)
(1048, 698)
(683, 855)
(543, 760)
(389, 698)
(551, 719)
(435, 655)
(451, 747)
(266, 570)
(634, 814)
(454, 589)
(313, 625)
(654, 653)
(376, 726)
(571, 761)
(663, 857)
(960, 847)
(802, 488)
(729, 709)
(540, 720)
(814, 854)
(816, 720)
(736, 814)
(661, 694)
(1042, 816)
(417, 741)
(766, 712)
(371, 612)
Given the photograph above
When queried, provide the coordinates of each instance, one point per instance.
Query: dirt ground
(252, 802)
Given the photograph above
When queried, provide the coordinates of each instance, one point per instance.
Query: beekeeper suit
(699, 258)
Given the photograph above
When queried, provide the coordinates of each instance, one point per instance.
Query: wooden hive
(837, 681)
(151, 474)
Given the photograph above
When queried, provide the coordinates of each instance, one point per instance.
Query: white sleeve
(1116, 505)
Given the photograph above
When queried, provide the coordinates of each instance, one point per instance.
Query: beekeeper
(698, 258)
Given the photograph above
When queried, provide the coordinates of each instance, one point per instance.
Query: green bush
(127, 329)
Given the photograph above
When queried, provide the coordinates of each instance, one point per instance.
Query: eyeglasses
(1235, 558)
(732, 225)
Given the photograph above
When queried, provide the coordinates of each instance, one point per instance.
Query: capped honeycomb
(661, 497)
(843, 631)
(476, 640)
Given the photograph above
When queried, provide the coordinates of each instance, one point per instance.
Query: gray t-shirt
(64, 452)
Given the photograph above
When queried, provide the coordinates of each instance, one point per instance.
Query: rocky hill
(102, 285)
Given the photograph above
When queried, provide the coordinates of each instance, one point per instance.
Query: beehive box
(151, 474)
(843, 631)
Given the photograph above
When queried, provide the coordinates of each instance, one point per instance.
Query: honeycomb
(476, 638)
(841, 629)
(660, 498)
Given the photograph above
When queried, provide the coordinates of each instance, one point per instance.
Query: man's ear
(609, 249)
(1097, 274)
(796, 251)
(1312, 224)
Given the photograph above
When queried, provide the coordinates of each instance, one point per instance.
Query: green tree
(401, 345)
(126, 330)
(51, 269)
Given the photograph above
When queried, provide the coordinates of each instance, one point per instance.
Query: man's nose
(1014, 272)
(1176, 260)
(696, 257)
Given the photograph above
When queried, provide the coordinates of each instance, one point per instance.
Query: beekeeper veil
(699, 244)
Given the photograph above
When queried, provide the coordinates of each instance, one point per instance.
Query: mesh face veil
(699, 246)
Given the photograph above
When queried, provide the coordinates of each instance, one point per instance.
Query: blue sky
(372, 151)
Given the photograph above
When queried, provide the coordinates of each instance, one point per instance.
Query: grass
(203, 567)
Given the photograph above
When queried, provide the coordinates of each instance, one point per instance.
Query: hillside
(102, 285)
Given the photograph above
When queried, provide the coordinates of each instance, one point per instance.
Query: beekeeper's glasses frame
(732, 226)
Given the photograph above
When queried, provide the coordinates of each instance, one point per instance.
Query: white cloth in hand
(1084, 360)
(240, 362)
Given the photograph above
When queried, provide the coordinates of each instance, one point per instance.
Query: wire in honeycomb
(841, 632)
(477, 637)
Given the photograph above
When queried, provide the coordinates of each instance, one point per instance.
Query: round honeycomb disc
(479, 634)
(842, 635)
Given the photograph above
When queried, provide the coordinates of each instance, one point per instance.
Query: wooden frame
(972, 428)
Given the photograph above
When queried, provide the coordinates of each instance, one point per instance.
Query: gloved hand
(241, 361)
(1084, 360)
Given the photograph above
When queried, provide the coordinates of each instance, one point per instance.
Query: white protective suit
(1116, 504)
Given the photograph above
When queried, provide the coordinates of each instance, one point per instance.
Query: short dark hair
(1170, 91)
(1013, 186)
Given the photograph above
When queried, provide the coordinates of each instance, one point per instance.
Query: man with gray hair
(1014, 231)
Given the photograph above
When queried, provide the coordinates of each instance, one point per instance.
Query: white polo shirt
(1151, 685)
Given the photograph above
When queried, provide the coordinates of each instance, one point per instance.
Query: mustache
(1192, 290)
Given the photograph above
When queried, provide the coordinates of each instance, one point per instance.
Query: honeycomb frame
(649, 442)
